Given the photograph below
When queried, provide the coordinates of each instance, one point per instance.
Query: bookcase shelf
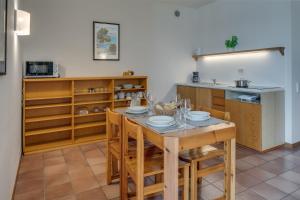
(50, 110)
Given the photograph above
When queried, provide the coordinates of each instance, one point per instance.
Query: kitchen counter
(252, 89)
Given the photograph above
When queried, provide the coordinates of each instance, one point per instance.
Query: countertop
(252, 89)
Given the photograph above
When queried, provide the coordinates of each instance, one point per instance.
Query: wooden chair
(197, 156)
(113, 130)
(138, 166)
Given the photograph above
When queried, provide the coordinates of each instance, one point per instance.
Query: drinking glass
(151, 102)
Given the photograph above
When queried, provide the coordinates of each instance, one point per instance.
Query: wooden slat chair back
(114, 131)
(197, 156)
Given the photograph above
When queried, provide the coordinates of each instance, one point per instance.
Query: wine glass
(151, 101)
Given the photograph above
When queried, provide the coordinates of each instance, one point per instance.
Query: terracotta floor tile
(243, 165)
(292, 158)
(94, 157)
(27, 166)
(94, 194)
(296, 194)
(278, 166)
(212, 178)
(249, 195)
(268, 192)
(33, 157)
(70, 149)
(253, 160)
(52, 154)
(55, 169)
(99, 169)
(56, 179)
(283, 184)
(281, 152)
(260, 174)
(210, 192)
(29, 186)
(54, 161)
(74, 156)
(76, 165)
(296, 169)
(111, 191)
(33, 195)
(31, 175)
(80, 173)
(59, 191)
(291, 176)
(101, 178)
(289, 197)
(84, 183)
(247, 180)
(88, 147)
(267, 156)
(68, 197)
(238, 188)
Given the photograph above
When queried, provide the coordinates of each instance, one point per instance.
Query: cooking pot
(242, 83)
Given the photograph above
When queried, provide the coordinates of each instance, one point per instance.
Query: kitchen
(163, 42)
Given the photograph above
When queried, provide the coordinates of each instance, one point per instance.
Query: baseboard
(292, 146)
(16, 179)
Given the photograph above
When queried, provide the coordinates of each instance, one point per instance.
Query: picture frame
(3, 37)
(106, 41)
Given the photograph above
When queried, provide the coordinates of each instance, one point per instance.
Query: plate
(198, 114)
(161, 121)
(198, 119)
(137, 109)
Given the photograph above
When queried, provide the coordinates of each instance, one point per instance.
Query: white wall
(153, 41)
(10, 111)
(258, 24)
(296, 67)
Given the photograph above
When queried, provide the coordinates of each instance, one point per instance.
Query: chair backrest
(113, 124)
(134, 132)
(216, 113)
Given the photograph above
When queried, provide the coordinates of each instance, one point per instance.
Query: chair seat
(200, 154)
(153, 165)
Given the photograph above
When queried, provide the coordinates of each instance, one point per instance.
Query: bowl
(138, 86)
(127, 86)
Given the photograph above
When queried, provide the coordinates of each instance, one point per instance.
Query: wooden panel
(218, 101)
(247, 118)
(203, 98)
(187, 92)
(218, 93)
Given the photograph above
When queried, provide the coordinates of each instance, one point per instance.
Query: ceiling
(190, 3)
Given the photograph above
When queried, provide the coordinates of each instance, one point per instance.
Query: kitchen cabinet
(187, 92)
(247, 117)
(203, 98)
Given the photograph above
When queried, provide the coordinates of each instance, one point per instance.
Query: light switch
(297, 87)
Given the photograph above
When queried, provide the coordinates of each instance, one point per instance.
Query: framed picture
(106, 41)
(3, 36)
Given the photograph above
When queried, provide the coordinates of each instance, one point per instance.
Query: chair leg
(194, 178)
(108, 167)
(115, 167)
(186, 177)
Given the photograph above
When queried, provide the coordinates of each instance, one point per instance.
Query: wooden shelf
(92, 102)
(130, 90)
(48, 145)
(122, 100)
(48, 106)
(89, 125)
(48, 118)
(47, 98)
(53, 102)
(88, 138)
(94, 93)
(48, 130)
(280, 49)
(91, 114)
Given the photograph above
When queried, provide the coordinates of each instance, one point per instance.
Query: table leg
(171, 147)
(232, 169)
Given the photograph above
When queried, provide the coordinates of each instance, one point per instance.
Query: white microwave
(41, 69)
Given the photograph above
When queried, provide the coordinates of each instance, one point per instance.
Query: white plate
(198, 119)
(137, 110)
(161, 125)
(198, 113)
(161, 120)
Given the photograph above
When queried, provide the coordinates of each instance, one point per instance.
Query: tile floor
(79, 173)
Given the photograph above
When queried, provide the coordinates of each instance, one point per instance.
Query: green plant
(231, 43)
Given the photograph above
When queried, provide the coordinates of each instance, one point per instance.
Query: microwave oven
(41, 69)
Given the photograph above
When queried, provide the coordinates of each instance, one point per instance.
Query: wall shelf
(279, 49)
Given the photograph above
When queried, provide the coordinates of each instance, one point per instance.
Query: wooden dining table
(173, 142)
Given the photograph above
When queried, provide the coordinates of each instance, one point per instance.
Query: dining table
(185, 136)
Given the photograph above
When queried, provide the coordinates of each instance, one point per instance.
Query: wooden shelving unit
(51, 118)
